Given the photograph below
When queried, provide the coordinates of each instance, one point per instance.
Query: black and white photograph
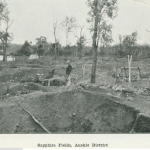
(74, 67)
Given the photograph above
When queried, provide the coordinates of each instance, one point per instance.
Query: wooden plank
(131, 67)
(49, 82)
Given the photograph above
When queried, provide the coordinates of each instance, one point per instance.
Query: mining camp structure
(33, 56)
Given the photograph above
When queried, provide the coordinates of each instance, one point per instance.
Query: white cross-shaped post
(129, 63)
(83, 69)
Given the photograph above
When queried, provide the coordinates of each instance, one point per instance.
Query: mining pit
(70, 112)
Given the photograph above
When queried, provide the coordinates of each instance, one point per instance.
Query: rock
(94, 86)
(82, 86)
(148, 88)
(128, 99)
(69, 132)
(109, 86)
(129, 90)
(119, 88)
(114, 87)
(145, 93)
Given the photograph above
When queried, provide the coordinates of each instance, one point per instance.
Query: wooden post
(83, 69)
(124, 74)
(125, 71)
(129, 63)
(49, 82)
(117, 73)
(69, 81)
(139, 73)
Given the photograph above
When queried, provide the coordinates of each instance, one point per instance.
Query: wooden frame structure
(125, 75)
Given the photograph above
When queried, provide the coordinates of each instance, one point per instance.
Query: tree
(25, 49)
(5, 36)
(68, 24)
(81, 41)
(56, 27)
(100, 11)
(41, 45)
(120, 42)
(129, 41)
(105, 34)
(3, 8)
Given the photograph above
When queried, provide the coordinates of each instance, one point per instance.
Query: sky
(34, 18)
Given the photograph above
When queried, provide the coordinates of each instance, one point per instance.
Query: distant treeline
(138, 51)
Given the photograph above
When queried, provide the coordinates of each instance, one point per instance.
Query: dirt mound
(75, 111)
(80, 112)
(14, 120)
(142, 124)
(17, 75)
(26, 88)
(24, 74)
(36, 62)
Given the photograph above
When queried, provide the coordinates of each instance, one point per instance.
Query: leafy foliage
(80, 45)
(42, 45)
(5, 36)
(105, 34)
(25, 49)
(130, 40)
(3, 10)
(102, 11)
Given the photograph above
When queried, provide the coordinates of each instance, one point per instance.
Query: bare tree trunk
(93, 73)
(66, 38)
(120, 47)
(4, 57)
(55, 51)
(83, 70)
(80, 53)
(4, 51)
(117, 73)
(55, 27)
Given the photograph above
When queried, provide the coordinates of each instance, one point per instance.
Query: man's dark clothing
(68, 70)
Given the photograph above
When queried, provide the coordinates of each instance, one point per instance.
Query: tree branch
(9, 25)
(81, 31)
(75, 35)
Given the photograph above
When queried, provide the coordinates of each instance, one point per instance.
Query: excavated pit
(84, 112)
(72, 112)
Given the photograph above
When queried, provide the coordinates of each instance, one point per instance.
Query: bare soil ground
(82, 108)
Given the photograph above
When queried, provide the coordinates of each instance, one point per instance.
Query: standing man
(68, 72)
